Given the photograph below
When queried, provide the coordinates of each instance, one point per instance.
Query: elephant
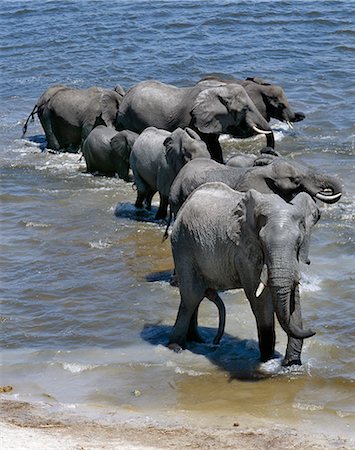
(267, 155)
(156, 158)
(282, 176)
(106, 151)
(270, 99)
(209, 110)
(223, 239)
(67, 115)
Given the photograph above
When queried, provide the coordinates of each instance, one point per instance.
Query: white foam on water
(78, 368)
(100, 244)
(310, 283)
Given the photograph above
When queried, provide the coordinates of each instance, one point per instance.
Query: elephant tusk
(328, 198)
(257, 130)
(289, 124)
(260, 289)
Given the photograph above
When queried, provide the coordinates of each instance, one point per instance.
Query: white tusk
(257, 130)
(328, 198)
(260, 289)
(289, 124)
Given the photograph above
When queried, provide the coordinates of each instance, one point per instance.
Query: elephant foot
(293, 362)
(160, 215)
(173, 280)
(175, 347)
(195, 337)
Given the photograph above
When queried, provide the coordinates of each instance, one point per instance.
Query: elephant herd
(245, 223)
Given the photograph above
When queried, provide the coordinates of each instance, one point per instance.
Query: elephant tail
(32, 117)
(166, 233)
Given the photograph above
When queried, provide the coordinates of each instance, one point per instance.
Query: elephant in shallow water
(67, 115)
(210, 110)
(270, 99)
(106, 151)
(156, 158)
(282, 176)
(223, 239)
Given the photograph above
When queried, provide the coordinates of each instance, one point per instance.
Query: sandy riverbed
(25, 426)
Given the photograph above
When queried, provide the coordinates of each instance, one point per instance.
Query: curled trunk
(325, 188)
(284, 303)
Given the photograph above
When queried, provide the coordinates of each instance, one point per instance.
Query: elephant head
(282, 231)
(182, 146)
(287, 179)
(227, 109)
(271, 101)
(121, 145)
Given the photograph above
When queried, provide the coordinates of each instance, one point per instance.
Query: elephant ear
(122, 143)
(310, 214)
(192, 134)
(121, 146)
(247, 214)
(211, 112)
(258, 80)
(173, 149)
(110, 102)
(120, 90)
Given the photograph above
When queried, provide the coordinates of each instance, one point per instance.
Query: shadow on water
(240, 358)
(129, 211)
(163, 275)
(39, 139)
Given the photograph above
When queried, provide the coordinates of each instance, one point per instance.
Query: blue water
(86, 309)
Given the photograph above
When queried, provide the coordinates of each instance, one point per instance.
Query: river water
(86, 307)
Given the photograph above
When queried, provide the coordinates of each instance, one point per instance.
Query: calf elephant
(156, 158)
(223, 239)
(67, 115)
(283, 177)
(210, 110)
(107, 151)
(270, 99)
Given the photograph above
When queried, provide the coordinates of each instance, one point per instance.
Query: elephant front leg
(293, 352)
(264, 314)
(214, 147)
(294, 345)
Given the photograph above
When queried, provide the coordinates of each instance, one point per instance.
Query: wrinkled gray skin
(267, 156)
(107, 151)
(283, 177)
(223, 239)
(241, 160)
(209, 110)
(67, 115)
(156, 158)
(270, 99)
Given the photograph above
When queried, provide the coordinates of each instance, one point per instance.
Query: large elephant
(156, 158)
(67, 115)
(270, 99)
(210, 110)
(282, 176)
(106, 151)
(223, 239)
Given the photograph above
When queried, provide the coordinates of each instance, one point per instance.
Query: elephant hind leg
(213, 296)
(185, 328)
(163, 207)
(140, 199)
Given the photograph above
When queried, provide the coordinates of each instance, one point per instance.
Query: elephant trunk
(327, 189)
(284, 305)
(283, 280)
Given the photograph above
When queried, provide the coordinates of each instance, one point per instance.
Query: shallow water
(86, 307)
